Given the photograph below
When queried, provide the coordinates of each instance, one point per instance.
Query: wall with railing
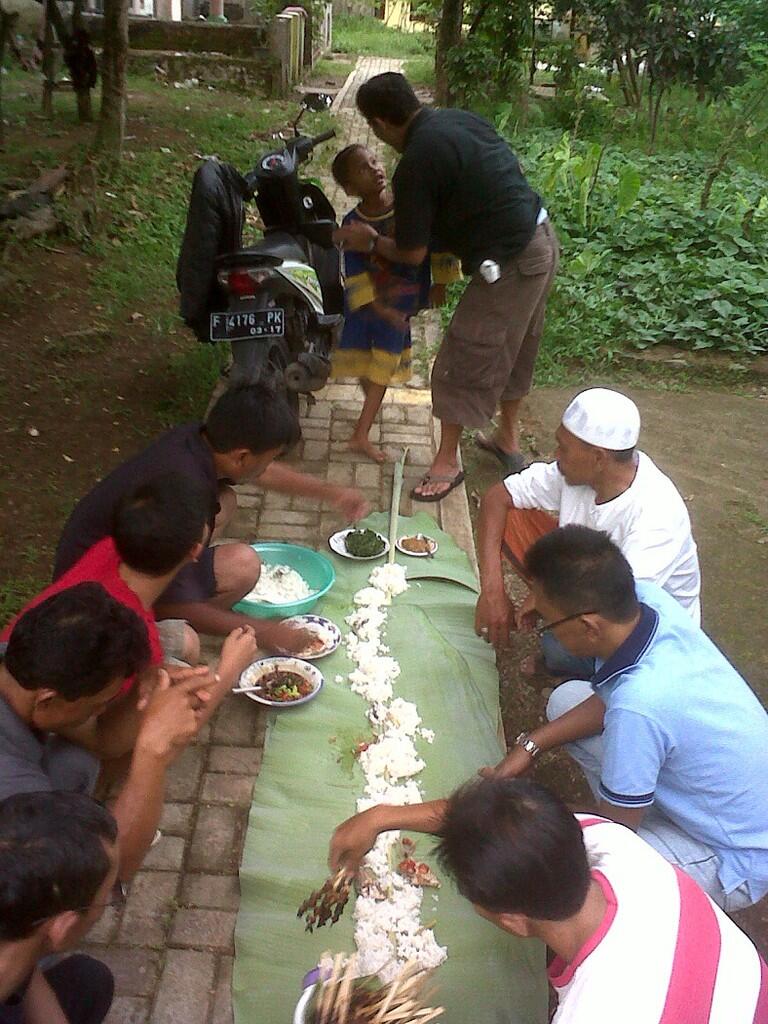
(273, 56)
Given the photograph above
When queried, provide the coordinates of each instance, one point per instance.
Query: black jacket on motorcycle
(215, 219)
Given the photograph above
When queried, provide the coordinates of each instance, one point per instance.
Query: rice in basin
(279, 584)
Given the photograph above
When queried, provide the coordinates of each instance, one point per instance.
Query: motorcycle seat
(277, 244)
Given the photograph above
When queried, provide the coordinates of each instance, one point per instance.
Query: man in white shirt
(635, 939)
(600, 480)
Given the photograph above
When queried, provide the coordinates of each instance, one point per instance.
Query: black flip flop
(513, 462)
(454, 481)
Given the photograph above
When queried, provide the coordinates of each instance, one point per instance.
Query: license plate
(261, 323)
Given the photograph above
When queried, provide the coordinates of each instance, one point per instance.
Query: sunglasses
(546, 626)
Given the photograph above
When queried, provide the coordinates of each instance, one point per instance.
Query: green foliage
(364, 34)
(420, 71)
(642, 263)
(488, 62)
(653, 46)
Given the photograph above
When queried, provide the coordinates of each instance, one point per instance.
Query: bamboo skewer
(394, 509)
(345, 998)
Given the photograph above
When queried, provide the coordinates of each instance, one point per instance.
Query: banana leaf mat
(308, 784)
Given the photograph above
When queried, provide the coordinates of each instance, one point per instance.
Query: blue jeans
(691, 855)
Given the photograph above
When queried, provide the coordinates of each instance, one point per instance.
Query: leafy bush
(641, 263)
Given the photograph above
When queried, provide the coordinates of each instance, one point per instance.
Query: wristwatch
(530, 746)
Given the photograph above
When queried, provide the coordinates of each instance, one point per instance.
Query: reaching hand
(351, 503)
(284, 638)
(357, 237)
(238, 651)
(494, 616)
(176, 674)
(351, 842)
(517, 762)
(172, 716)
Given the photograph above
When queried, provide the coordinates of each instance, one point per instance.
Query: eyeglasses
(545, 626)
(117, 899)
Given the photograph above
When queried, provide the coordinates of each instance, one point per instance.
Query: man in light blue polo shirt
(672, 740)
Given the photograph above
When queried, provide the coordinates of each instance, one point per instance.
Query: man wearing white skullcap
(600, 480)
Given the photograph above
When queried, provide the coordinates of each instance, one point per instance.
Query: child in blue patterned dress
(380, 297)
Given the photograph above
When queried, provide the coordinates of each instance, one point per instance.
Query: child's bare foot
(362, 444)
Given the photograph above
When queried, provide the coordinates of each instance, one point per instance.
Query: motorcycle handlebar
(323, 137)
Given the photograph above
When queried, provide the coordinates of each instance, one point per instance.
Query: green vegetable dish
(364, 543)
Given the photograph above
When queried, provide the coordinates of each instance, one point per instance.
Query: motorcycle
(279, 302)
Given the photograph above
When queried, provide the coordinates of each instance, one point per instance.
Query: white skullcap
(606, 419)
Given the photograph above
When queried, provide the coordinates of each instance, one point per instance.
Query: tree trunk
(82, 94)
(629, 99)
(84, 106)
(6, 27)
(653, 109)
(448, 37)
(111, 130)
(632, 77)
(48, 61)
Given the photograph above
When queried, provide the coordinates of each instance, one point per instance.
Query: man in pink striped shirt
(634, 938)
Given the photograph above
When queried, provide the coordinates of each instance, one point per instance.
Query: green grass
(134, 218)
(191, 375)
(364, 34)
(335, 69)
(420, 70)
(16, 590)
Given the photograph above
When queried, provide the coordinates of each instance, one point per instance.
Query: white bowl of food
(325, 636)
(281, 682)
(360, 543)
(416, 545)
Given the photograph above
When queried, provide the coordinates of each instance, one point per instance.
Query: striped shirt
(663, 953)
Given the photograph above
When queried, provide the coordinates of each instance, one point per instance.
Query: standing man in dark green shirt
(459, 188)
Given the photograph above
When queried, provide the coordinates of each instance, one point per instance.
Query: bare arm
(354, 837)
(387, 248)
(359, 237)
(586, 719)
(173, 714)
(208, 618)
(494, 611)
(348, 500)
(40, 1003)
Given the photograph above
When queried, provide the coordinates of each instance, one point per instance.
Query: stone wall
(188, 36)
(253, 75)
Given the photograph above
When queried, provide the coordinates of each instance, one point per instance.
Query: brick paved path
(171, 947)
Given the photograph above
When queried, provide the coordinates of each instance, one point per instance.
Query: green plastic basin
(315, 568)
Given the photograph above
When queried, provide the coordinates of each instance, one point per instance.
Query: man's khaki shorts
(489, 350)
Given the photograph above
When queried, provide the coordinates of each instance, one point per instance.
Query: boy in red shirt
(156, 530)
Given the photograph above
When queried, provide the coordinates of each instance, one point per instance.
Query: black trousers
(84, 988)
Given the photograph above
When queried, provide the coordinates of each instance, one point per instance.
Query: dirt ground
(74, 399)
(712, 444)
